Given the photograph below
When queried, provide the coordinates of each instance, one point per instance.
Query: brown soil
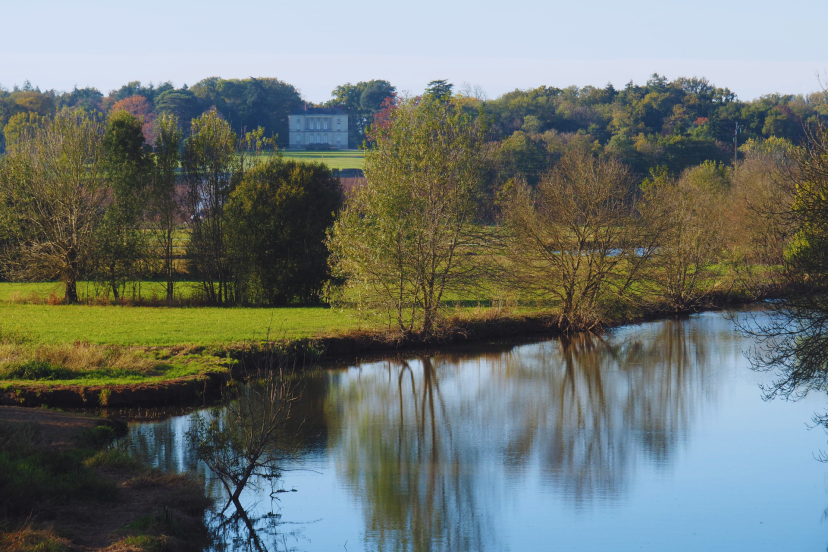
(97, 526)
(59, 428)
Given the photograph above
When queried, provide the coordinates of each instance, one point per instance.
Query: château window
(298, 124)
(326, 138)
(338, 125)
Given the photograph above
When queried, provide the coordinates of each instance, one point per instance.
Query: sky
(752, 47)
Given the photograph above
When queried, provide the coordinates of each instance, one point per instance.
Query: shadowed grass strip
(31, 477)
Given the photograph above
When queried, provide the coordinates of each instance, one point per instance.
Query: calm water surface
(652, 437)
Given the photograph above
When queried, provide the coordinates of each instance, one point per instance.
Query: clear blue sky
(754, 47)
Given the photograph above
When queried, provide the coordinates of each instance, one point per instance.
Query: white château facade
(318, 127)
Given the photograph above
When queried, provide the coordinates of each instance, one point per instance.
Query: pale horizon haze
(753, 48)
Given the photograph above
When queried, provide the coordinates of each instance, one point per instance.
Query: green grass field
(91, 344)
(169, 326)
(23, 310)
(349, 159)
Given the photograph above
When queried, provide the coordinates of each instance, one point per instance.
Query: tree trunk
(71, 296)
(168, 266)
(112, 281)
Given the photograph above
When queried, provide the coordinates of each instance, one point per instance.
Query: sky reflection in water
(652, 437)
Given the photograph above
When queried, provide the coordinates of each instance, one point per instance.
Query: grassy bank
(65, 486)
(93, 355)
(87, 356)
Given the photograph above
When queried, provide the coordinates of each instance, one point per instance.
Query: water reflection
(418, 440)
(418, 480)
(438, 452)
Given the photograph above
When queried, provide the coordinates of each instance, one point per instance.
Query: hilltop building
(318, 127)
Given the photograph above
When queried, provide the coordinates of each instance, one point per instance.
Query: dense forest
(662, 123)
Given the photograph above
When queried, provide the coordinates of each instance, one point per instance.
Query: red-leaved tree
(141, 108)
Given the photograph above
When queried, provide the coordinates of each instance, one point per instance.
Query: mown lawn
(23, 311)
(169, 326)
(349, 159)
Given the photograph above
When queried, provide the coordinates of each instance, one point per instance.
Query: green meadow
(168, 326)
(347, 159)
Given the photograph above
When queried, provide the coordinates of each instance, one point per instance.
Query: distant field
(349, 159)
(39, 292)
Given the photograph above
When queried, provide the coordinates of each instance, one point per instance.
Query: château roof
(320, 111)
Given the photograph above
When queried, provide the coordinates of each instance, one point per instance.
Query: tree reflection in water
(421, 441)
(414, 474)
(242, 532)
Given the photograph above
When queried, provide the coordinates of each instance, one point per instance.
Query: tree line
(244, 103)
(677, 124)
(588, 238)
(87, 197)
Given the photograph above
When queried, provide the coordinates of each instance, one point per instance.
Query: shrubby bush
(278, 215)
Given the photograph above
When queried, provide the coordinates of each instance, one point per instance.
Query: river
(650, 437)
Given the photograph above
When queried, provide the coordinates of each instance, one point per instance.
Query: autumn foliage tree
(688, 215)
(140, 108)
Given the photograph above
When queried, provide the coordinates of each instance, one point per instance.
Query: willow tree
(410, 235)
(54, 187)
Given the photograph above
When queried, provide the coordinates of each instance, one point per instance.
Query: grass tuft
(29, 539)
(113, 458)
(38, 370)
(139, 543)
(96, 438)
